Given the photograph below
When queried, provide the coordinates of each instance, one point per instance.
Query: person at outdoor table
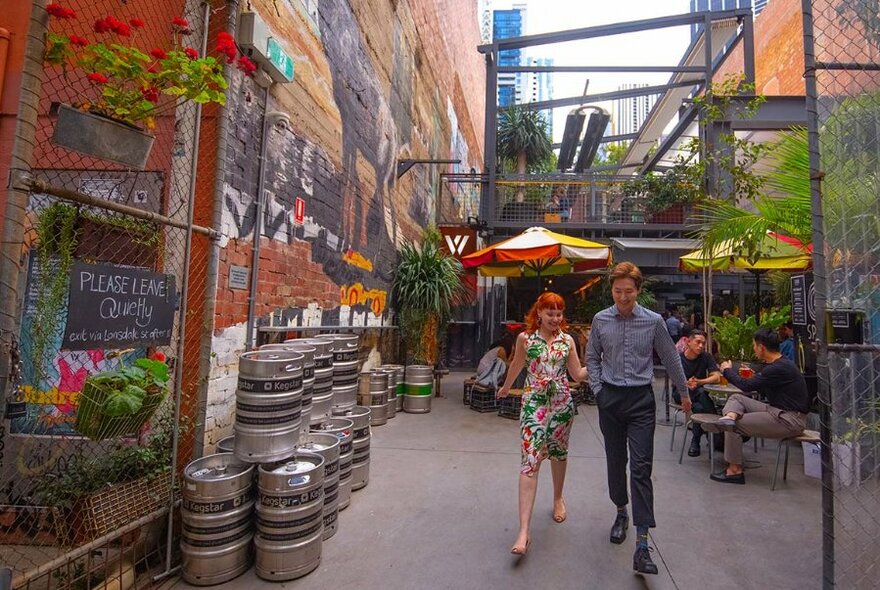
(621, 370)
(782, 384)
(786, 340)
(700, 369)
(547, 352)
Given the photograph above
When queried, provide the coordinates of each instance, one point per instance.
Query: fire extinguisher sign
(299, 211)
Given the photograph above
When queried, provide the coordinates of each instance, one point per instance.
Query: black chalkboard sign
(118, 307)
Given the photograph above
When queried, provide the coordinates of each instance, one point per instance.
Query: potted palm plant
(427, 287)
(132, 85)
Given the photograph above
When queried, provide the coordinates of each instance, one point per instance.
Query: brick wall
(375, 82)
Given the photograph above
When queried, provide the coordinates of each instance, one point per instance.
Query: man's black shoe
(618, 529)
(740, 478)
(694, 451)
(642, 561)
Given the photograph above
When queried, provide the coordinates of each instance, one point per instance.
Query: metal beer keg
(345, 369)
(322, 390)
(290, 526)
(327, 445)
(268, 404)
(373, 393)
(419, 385)
(217, 516)
(360, 463)
(308, 353)
(401, 386)
(343, 428)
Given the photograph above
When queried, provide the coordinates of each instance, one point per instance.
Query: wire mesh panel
(109, 357)
(847, 84)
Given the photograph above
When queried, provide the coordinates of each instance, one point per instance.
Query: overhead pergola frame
(686, 76)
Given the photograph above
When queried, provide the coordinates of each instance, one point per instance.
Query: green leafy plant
(523, 138)
(427, 287)
(131, 80)
(84, 476)
(56, 230)
(128, 386)
(735, 336)
(676, 186)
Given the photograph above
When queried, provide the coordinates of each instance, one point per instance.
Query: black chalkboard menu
(118, 307)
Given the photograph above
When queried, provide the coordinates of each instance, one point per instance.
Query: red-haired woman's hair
(547, 300)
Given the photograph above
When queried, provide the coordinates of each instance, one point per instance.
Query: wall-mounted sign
(299, 211)
(279, 58)
(238, 277)
(459, 240)
(118, 307)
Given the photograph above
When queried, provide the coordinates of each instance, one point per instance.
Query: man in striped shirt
(621, 370)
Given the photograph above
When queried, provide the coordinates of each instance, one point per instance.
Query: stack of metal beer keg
(298, 418)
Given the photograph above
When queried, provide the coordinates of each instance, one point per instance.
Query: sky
(660, 47)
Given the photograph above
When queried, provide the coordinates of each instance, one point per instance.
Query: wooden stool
(699, 419)
(807, 436)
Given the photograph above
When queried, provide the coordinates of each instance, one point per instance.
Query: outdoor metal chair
(807, 436)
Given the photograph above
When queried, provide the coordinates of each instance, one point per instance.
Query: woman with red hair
(547, 406)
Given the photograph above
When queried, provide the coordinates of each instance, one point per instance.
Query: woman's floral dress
(547, 406)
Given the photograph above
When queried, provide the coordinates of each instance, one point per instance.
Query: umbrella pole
(758, 298)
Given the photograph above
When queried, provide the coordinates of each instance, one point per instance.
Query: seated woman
(500, 349)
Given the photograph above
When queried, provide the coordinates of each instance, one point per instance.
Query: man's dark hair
(768, 338)
(696, 332)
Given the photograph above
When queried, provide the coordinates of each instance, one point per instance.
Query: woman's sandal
(521, 550)
(560, 516)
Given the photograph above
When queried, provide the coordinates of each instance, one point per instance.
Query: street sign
(279, 58)
(299, 211)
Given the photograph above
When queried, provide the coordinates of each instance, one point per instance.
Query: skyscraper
(506, 24)
(629, 113)
(539, 87)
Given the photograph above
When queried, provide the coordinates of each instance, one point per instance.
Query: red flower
(158, 53)
(101, 25)
(98, 78)
(158, 356)
(246, 65)
(59, 11)
(180, 22)
(226, 46)
(136, 23)
(191, 53)
(151, 94)
(77, 40)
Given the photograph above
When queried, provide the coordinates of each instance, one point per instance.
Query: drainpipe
(270, 120)
(213, 267)
(4, 52)
(18, 193)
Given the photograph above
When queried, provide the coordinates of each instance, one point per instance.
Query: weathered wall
(375, 82)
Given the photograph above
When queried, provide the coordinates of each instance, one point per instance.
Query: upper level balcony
(591, 206)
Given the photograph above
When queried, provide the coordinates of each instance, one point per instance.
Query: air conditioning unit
(256, 40)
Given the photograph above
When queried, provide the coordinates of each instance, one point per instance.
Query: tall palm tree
(523, 137)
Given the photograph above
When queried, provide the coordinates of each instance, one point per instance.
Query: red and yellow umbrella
(778, 252)
(539, 252)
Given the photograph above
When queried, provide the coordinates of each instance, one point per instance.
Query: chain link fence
(842, 52)
(113, 293)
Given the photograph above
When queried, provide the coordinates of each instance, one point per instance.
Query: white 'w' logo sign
(456, 244)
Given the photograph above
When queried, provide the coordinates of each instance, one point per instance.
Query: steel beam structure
(610, 30)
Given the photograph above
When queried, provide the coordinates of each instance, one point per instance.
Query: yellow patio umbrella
(778, 252)
(539, 252)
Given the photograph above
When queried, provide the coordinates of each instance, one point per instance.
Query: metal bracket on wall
(403, 166)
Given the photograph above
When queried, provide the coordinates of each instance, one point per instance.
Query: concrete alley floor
(440, 512)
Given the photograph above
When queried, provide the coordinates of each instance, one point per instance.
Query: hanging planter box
(102, 138)
(92, 421)
(110, 509)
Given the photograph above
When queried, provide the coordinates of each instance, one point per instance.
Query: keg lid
(216, 467)
(299, 463)
(313, 446)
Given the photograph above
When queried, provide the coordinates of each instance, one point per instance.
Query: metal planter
(102, 138)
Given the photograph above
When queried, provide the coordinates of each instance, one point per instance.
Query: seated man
(782, 384)
(700, 369)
